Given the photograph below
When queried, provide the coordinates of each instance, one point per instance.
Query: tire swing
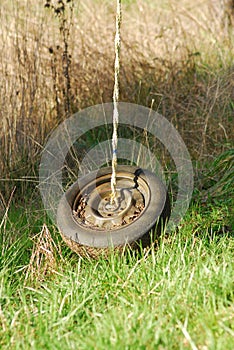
(115, 207)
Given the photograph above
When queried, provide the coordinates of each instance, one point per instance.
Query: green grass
(178, 296)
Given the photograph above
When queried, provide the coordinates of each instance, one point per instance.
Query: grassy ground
(178, 58)
(178, 296)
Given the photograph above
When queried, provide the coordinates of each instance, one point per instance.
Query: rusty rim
(94, 209)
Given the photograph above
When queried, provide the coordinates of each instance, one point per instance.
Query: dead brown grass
(178, 54)
(44, 257)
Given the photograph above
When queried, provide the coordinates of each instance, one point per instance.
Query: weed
(43, 260)
(63, 10)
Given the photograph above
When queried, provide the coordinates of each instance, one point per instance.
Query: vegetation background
(56, 57)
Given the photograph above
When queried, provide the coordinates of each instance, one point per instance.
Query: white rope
(116, 100)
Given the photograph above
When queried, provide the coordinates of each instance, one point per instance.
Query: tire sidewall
(124, 235)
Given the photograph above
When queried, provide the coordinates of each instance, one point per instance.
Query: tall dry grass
(179, 54)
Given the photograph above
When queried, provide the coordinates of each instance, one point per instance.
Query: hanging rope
(115, 101)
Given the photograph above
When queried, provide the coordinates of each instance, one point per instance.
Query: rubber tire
(87, 241)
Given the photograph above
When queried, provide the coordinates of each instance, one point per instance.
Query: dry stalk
(44, 256)
(63, 10)
(3, 320)
(6, 207)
